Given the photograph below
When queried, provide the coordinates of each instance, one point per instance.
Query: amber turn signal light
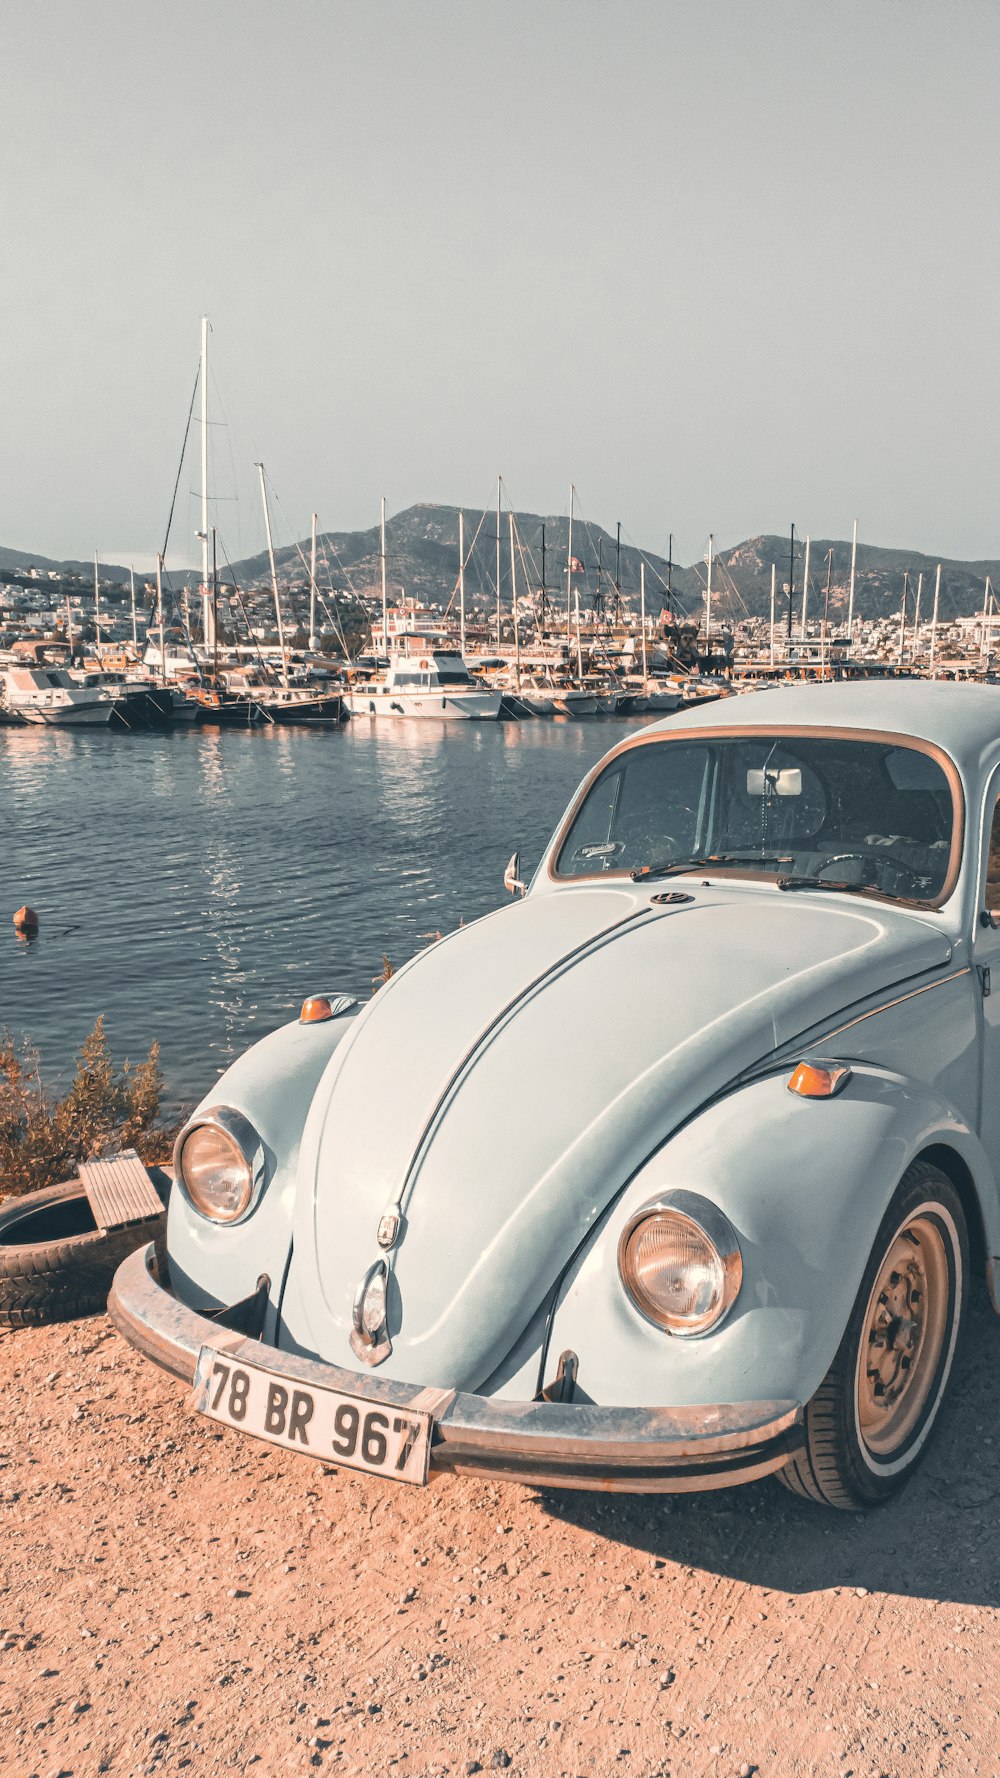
(818, 1080)
(315, 1010)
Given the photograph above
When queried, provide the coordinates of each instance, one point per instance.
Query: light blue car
(667, 1175)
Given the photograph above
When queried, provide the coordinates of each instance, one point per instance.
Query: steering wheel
(654, 848)
(881, 859)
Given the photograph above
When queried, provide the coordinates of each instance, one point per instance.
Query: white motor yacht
(435, 684)
(49, 695)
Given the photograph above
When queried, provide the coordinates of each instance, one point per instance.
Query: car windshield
(817, 810)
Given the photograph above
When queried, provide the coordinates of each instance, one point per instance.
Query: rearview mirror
(511, 880)
(775, 781)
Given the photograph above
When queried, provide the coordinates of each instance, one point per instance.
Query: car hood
(505, 1085)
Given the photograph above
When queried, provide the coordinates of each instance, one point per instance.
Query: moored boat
(288, 704)
(224, 709)
(434, 685)
(568, 700)
(49, 696)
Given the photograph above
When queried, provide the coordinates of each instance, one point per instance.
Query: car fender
(805, 1183)
(273, 1084)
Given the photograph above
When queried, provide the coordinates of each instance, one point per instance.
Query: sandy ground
(176, 1599)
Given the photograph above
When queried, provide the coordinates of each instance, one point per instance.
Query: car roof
(962, 719)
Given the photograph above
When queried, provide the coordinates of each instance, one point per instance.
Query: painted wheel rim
(904, 1336)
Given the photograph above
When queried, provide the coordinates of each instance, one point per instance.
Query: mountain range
(19, 561)
(422, 561)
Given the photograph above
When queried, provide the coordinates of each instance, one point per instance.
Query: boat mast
(916, 620)
(934, 618)
(159, 613)
(461, 584)
(215, 611)
(203, 534)
(850, 596)
(826, 608)
(312, 585)
(805, 590)
(642, 617)
(274, 577)
(599, 594)
(902, 617)
(569, 565)
(618, 573)
(135, 638)
(513, 606)
(385, 595)
(708, 596)
(774, 588)
(791, 580)
(544, 600)
(499, 488)
(97, 608)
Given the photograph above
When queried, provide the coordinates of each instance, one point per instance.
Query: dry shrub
(42, 1140)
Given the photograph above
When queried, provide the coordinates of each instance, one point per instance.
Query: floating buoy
(26, 921)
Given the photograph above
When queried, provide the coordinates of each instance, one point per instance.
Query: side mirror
(511, 881)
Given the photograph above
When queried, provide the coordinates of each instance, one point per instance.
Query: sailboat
(213, 703)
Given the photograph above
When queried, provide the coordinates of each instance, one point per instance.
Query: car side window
(991, 888)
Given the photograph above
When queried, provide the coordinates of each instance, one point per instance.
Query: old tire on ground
(870, 1420)
(55, 1264)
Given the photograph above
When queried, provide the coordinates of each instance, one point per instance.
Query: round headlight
(680, 1262)
(218, 1162)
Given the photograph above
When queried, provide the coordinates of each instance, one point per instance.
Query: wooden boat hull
(231, 713)
(327, 709)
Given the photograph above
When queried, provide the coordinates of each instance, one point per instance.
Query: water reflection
(196, 885)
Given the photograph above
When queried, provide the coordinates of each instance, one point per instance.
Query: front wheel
(870, 1420)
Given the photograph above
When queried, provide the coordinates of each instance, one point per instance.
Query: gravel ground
(176, 1599)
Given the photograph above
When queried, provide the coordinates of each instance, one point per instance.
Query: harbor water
(193, 886)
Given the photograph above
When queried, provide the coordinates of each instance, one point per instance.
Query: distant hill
(422, 552)
(422, 561)
(20, 561)
(878, 586)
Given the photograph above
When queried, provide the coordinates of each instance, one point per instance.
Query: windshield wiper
(703, 861)
(910, 901)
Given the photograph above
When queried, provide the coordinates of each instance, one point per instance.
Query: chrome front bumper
(551, 1444)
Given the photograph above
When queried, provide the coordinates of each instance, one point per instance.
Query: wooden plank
(120, 1190)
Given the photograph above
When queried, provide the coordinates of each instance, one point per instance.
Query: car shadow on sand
(936, 1539)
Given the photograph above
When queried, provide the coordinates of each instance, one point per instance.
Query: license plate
(317, 1422)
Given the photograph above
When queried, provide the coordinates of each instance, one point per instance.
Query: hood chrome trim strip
(643, 915)
(376, 1353)
(887, 1005)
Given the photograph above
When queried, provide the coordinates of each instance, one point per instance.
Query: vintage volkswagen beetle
(669, 1174)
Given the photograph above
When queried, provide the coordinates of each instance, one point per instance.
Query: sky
(721, 265)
